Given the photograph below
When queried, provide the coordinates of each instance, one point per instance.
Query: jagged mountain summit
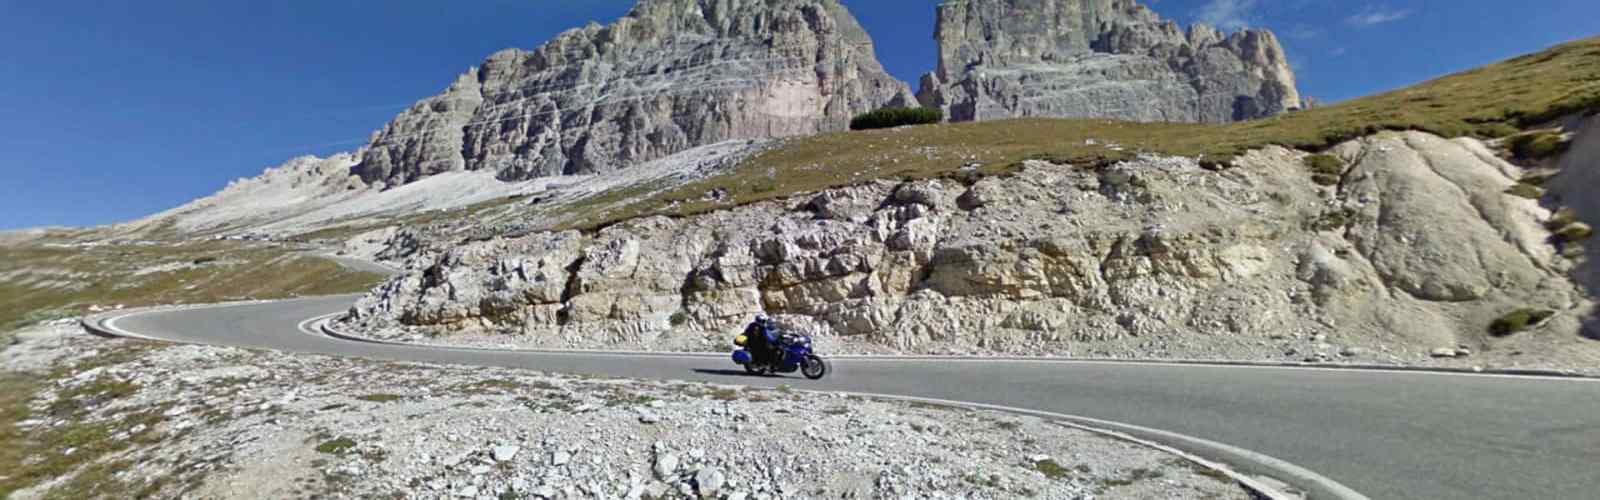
(1100, 59)
(668, 76)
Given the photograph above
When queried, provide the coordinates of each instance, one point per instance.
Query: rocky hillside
(298, 186)
(670, 75)
(1404, 246)
(1413, 245)
(1100, 59)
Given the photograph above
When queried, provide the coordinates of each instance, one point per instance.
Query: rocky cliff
(1413, 251)
(1103, 59)
(668, 76)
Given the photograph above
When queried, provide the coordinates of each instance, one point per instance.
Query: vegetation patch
(33, 455)
(338, 446)
(1326, 169)
(380, 398)
(1562, 218)
(1518, 321)
(1334, 220)
(1574, 233)
(1525, 190)
(991, 481)
(31, 318)
(1538, 145)
(1053, 470)
(51, 281)
(896, 117)
(724, 394)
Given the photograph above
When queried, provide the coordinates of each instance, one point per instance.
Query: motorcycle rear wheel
(753, 369)
(814, 367)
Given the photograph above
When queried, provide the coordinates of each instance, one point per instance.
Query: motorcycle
(795, 355)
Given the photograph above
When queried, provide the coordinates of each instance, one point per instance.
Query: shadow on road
(728, 373)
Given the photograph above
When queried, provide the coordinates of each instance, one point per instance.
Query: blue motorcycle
(796, 355)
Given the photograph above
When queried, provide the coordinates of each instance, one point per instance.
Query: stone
(1100, 59)
(505, 453)
(666, 466)
(1443, 352)
(710, 481)
(561, 458)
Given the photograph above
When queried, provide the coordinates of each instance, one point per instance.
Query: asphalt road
(1385, 434)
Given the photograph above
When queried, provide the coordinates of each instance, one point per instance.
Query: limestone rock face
(1100, 59)
(668, 76)
(1418, 247)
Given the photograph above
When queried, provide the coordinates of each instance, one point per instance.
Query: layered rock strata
(1100, 59)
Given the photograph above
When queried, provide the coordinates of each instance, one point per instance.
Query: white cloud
(1373, 16)
(1227, 14)
(1338, 51)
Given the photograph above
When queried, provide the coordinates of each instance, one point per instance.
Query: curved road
(1384, 434)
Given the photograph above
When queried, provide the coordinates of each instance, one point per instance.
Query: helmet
(762, 317)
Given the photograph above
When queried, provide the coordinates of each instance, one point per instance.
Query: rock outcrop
(1417, 247)
(1100, 59)
(668, 76)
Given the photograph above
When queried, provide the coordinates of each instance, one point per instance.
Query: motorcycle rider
(762, 339)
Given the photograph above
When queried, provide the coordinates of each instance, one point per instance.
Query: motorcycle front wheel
(814, 367)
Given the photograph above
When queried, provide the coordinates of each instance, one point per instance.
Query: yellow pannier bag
(740, 340)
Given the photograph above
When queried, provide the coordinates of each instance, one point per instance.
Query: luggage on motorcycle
(742, 357)
(741, 340)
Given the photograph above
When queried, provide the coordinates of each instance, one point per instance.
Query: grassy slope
(1492, 101)
(46, 282)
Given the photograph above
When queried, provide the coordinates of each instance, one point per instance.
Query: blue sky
(113, 110)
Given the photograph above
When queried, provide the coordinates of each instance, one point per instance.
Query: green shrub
(679, 318)
(1335, 220)
(1574, 233)
(1561, 219)
(1326, 170)
(1537, 145)
(1518, 321)
(336, 446)
(895, 117)
(1526, 190)
(1325, 164)
(1538, 178)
